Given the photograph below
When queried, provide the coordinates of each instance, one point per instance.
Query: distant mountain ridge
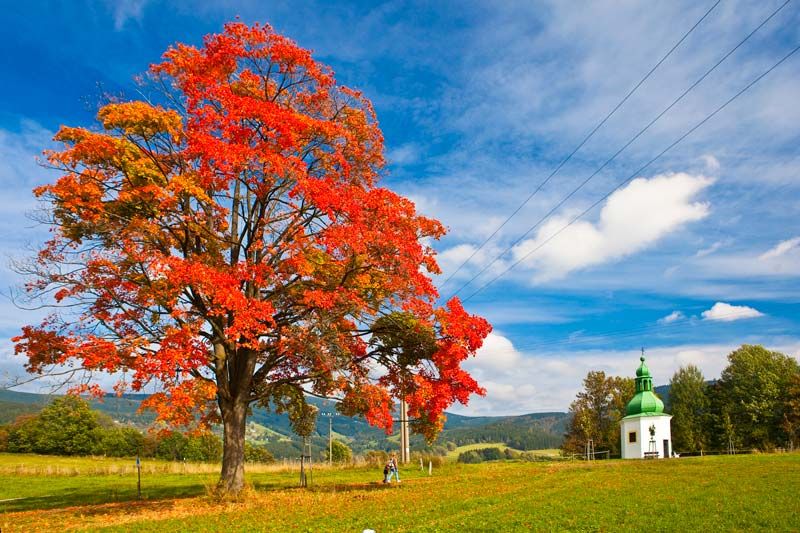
(529, 431)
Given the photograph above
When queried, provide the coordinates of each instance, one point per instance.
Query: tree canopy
(596, 413)
(748, 401)
(227, 240)
(688, 404)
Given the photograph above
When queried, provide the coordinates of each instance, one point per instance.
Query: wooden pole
(405, 447)
(138, 477)
(408, 439)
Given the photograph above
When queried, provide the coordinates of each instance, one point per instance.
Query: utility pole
(138, 477)
(330, 436)
(405, 445)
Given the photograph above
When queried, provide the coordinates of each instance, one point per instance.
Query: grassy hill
(9, 411)
(272, 430)
(687, 494)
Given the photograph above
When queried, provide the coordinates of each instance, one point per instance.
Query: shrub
(118, 442)
(470, 457)
(376, 457)
(257, 454)
(67, 426)
(23, 434)
(341, 452)
(433, 459)
(205, 447)
(171, 445)
(491, 454)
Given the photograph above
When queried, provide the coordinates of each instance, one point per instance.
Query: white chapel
(645, 429)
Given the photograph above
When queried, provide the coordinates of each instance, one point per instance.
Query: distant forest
(267, 430)
(754, 405)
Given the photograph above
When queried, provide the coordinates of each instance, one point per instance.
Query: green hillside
(9, 411)
(273, 431)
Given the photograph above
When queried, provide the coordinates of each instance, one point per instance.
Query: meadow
(730, 493)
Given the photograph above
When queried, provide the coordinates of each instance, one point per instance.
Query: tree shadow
(87, 496)
(352, 487)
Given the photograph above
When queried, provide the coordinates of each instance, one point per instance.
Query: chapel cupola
(645, 400)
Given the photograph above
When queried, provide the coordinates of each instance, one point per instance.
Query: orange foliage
(230, 243)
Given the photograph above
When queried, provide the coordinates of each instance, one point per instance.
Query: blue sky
(478, 103)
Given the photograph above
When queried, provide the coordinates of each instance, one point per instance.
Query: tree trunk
(233, 422)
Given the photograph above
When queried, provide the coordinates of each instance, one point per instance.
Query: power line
(632, 176)
(624, 147)
(574, 151)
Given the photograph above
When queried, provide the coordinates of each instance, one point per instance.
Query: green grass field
(721, 493)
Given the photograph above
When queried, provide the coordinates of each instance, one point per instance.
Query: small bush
(470, 457)
(376, 457)
(117, 442)
(342, 454)
(491, 454)
(257, 454)
(205, 447)
(435, 460)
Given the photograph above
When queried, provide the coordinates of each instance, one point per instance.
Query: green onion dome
(645, 400)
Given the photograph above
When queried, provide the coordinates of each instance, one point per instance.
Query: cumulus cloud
(728, 313)
(518, 381)
(632, 219)
(672, 317)
(780, 249)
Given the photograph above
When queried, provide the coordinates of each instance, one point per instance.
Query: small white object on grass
(369, 531)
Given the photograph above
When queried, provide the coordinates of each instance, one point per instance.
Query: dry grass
(44, 465)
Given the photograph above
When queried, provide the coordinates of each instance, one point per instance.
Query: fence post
(430, 468)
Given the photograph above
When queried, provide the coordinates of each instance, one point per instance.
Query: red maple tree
(229, 243)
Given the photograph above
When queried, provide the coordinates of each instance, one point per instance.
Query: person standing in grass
(393, 469)
(386, 469)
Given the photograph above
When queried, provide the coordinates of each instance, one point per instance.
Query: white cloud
(728, 313)
(403, 155)
(19, 174)
(780, 249)
(632, 219)
(125, 10)
(711, 162)
(520, 382)
(672, 317)
(711, 249)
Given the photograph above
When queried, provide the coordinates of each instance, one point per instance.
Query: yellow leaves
(141, 119)
(187, 183)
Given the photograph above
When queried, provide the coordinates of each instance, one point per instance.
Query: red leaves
(236, 244)
(178, 406)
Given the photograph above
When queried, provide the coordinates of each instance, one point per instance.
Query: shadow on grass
(350, 487)
(77, 496)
